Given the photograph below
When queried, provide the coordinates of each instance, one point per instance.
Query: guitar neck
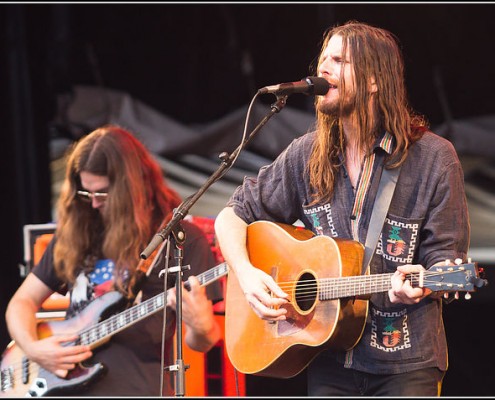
(461, 277)
(350, 286)
(103, 330)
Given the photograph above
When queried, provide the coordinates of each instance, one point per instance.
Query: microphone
(311, 85)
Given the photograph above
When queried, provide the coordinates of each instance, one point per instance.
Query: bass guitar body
(94, 325)
(22, 377)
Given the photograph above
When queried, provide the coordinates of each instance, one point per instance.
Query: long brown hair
(138, 202)
(374, 52)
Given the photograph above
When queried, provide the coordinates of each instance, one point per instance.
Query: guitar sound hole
(306, 291)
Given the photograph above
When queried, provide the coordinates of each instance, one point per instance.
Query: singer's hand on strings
(402, 290)
(262, 292)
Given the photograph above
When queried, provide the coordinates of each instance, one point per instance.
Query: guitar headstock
(454, 277)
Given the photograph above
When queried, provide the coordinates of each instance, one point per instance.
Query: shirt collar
(386, 142)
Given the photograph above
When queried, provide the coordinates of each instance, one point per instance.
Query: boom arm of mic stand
(226, 164)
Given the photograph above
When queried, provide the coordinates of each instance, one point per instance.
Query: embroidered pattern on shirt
(389, 330)
(313, 214)
(400, 243)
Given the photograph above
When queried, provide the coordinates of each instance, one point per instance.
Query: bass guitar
(21, 377)
(328, 298)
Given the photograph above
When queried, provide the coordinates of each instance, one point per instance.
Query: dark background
(198, 62)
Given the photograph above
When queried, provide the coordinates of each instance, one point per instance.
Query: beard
(332, 107)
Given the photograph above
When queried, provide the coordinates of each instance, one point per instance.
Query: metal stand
(179, 368)
(174, 227)
(227, 160)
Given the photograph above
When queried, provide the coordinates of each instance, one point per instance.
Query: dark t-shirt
(132, 356)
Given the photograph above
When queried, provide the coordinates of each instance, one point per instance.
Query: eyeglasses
(88, 196)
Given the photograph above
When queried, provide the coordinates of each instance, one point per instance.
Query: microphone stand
(179, 213)
(227, 160)
(179, 367)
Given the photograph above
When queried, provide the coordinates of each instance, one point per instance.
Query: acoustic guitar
(328, 298)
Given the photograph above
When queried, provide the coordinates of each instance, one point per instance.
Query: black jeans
(326, 377)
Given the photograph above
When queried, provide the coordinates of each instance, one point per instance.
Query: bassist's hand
(203, 331)
(262, 293)
(55, 355)
(197, 309)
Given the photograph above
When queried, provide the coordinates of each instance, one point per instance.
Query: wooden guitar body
(296, 258)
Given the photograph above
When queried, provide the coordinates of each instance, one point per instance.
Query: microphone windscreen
(320, 85)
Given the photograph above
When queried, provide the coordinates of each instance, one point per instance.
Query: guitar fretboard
(335, 288)
(118, 322)
(442, 278)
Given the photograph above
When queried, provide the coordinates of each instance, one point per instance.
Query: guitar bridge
(7, 378)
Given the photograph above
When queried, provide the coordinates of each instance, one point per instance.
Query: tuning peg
(447, 261)
(446, 295)
(467, 296)
(457, 261)
(456, 295)
(469, 260)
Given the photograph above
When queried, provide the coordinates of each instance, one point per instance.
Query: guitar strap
(384, 194)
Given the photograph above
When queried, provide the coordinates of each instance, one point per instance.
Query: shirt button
(353, 217)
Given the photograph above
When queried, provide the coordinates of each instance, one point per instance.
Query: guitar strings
(306, 289)
(118, 322)
(15, 370)
(414, 278)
